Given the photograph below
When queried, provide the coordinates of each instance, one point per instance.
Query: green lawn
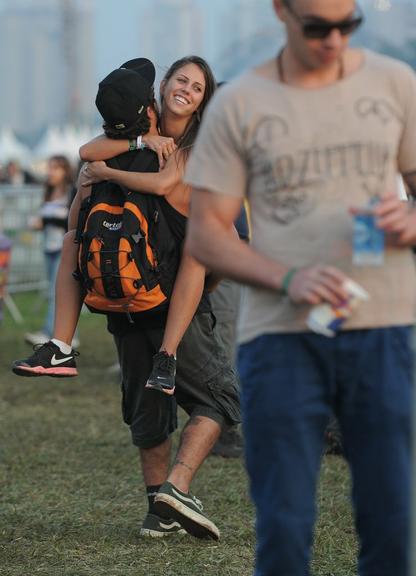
(71, 497)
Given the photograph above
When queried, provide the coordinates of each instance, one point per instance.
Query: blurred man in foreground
(311, 138)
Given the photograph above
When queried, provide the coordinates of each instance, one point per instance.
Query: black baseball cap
(124, 94)
(142, 66)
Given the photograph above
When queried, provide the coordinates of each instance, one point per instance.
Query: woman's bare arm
(186, 295)
(102, 148)
(82, 192)
(159, 183)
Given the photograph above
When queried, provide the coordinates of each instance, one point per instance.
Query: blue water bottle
(368, 239)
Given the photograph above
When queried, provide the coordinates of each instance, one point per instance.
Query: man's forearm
(227, 256)
(102, 148)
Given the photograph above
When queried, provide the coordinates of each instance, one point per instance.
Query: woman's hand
(162, 145)
(94, 172)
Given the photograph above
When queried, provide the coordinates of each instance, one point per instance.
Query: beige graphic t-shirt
(302, 158)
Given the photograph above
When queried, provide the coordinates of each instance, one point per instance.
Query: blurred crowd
(49, 218)
(15, 174)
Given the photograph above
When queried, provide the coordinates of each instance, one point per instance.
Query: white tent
(71, 141)
(12, 149)
(66, 141)
(51, 143)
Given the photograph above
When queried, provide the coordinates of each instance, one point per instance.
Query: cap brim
(142, 66)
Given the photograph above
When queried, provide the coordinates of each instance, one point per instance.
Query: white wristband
(140, 144)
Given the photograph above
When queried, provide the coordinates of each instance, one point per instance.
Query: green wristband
(287, 279)
(132, 145)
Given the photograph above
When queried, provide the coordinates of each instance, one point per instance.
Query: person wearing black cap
(203, 372)
(209, 409)
(123, 100)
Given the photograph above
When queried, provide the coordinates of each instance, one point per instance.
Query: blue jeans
(289, 384)
(52, 263)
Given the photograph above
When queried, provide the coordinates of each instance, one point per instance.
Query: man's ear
(278, 8)
(162, 88)
(151, 113)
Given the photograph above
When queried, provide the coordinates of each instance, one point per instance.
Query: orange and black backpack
(128, 257)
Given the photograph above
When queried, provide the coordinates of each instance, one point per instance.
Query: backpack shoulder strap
(82, 218)
(141, 161)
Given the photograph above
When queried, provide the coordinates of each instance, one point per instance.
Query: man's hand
(316, 284)
(84, 189)
(162, 145)
(398, 220)
(94, 172)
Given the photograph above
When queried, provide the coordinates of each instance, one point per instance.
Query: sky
(120, 45)
(233, 35)
(113, 46)
(117, 34)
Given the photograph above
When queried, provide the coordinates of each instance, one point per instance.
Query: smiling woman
(185, 91)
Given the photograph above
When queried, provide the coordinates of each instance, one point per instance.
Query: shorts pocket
(225, 392)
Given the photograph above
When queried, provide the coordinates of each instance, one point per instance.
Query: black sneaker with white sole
(47, 360)
(157, 527)
(185, 509)
(163, 373)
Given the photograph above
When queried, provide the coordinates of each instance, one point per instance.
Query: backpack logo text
(113, 226)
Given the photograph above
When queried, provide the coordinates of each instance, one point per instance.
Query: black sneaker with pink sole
(47, 360)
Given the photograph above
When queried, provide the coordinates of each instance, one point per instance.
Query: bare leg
(155, 463)
(173, 499)
(187, 293)
(198, 438)
(68, 301)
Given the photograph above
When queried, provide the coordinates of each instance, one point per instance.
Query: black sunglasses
(320, 29)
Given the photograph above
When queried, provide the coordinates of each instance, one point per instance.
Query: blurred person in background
(226, 302)
(5, 249)
(15, 175)
(310, 138)
(52, 221)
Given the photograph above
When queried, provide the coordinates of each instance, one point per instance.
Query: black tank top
(177, 223)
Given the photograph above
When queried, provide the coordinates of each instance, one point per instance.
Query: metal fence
(17, 205)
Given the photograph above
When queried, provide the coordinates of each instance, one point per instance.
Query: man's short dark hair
(139, 128)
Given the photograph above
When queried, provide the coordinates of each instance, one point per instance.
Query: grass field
(71, 496)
